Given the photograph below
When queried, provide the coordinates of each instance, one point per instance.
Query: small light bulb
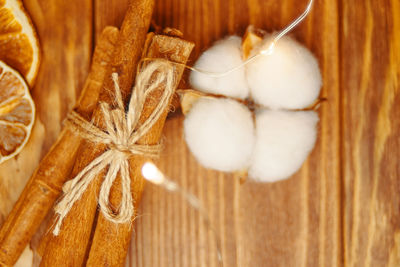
(269, 50)
(152, 173)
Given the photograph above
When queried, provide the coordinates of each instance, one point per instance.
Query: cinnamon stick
(69, 248)
(45, 184)
(111, 241)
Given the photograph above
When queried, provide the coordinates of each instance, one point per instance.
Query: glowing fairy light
(152, 174)
(150, 171)
(269, 50)
(264, 52)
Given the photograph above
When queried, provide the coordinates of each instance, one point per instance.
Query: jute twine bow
(122, 131)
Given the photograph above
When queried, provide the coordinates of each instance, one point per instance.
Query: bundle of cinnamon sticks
(87, 237)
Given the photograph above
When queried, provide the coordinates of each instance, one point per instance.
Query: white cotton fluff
(289, 78)
(283, 141)
(220, 134)
(222, 56)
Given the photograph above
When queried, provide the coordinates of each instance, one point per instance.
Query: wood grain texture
(77, 225)
(341, 209)
(116, 237)
(65, 32)
(370, 75)
(290, 223)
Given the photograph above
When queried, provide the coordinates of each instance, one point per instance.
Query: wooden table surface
(341, 209)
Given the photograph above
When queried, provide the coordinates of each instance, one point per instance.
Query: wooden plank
(108, 13)
(297, 222)
(65, 32)
(291, 223)
(370, 75)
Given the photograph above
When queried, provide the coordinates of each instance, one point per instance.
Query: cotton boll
(283, 141)
(222, 56)
(220, 134)
(289, 78)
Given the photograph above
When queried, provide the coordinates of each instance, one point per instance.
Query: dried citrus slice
(18, 40)
(17, 112)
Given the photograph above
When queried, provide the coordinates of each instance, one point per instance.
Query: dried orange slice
(19, 45)
(17, 112)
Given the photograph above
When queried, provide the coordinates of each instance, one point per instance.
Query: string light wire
(152, 174)
(264, 52)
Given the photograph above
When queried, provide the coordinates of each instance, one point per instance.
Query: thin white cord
(264, 52)
(153, 174)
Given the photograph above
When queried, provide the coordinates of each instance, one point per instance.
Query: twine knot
(121, 134)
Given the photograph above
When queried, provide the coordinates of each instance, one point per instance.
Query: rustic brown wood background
(341, 209)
